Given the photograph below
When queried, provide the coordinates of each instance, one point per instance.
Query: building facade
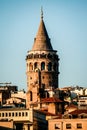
(67, 124)
(17, 118)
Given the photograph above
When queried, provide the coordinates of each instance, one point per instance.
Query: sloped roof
(76, 112)
(50, 100)
(57, 116)
(71, 106)
(42, 40)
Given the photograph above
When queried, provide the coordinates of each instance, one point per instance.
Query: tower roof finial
(41, 12)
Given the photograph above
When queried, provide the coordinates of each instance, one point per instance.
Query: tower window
(30, 96)
(42, 66)
(49, 66)
(30, 67)
(55, 67)
(35, 65)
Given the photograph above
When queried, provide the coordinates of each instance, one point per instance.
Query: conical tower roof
(42, 40)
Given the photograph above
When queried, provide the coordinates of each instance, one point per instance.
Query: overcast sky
(66, 23)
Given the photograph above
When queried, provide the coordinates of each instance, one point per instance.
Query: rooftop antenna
(41, 12)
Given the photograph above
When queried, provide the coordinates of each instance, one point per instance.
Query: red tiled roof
(71, 106)
(49, 100)
(49, 114)
(76, 112)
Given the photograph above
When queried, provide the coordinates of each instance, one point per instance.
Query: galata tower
(42, 64)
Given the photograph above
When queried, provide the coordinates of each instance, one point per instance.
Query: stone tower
(42, 66)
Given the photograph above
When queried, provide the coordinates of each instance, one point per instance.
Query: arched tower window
(35, 65)
(55, 67)
(30, 96)
(49, 66)
(30, 67)
(43, 66)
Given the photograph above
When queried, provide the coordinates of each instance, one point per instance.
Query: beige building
(5, 92)
(82, 102)
(19, 94)
(17, 118)
(6, 125)
(67, 124)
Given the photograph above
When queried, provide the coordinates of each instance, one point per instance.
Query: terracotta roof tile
(49, 114)
(76, 112)
(71, 106)
(49, 100)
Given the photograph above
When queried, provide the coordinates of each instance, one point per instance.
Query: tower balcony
(47, 56)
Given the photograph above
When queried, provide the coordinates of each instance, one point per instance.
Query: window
(9, 114)
(16, 114)
(68, 126)
(42, 66)
(50, 66)
(2, 114)
(22, 113)
(6, 114)
(35, 65)
(19, 113)
(30, 67)
(12, 113)
(26, 113)
(30, 96)
(79, 125)
(57, 126)
(55, 67)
